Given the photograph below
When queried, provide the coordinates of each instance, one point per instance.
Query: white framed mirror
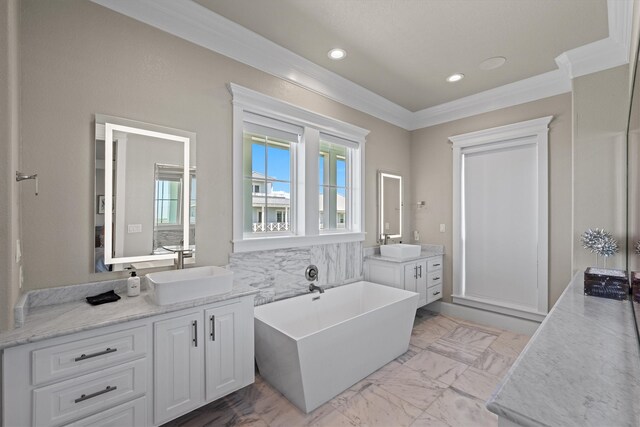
(390, 205)
(145, 201)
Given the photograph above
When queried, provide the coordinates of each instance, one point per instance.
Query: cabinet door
(224, 350)
(410, 277)
(421, 282)
(178, 368)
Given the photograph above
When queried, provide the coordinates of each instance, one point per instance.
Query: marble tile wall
(279, 273)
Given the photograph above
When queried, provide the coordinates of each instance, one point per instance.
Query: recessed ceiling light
(455, 77)
(337, 54)
(493, 63)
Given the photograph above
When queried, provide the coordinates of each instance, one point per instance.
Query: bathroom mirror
(633, 186)
(390, 205)
(145, 194)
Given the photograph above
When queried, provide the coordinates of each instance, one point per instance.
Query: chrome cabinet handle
(420, 267)
(436, 293)
(100, 353)
(213, 327)
(436, 265)
(84, 397)
(195, 332)
(436, 278)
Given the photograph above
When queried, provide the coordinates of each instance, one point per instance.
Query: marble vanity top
(581, 368)
(49, 321)
(427, 252)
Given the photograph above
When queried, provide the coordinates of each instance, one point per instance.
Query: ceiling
(403, 50)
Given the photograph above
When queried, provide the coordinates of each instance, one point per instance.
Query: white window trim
(480, 140)
(305, 180)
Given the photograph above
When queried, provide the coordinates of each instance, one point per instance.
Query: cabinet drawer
(78, 397)
(87, 355)
(434, 278)
(434, 293)
(434, 263)
(130, 414)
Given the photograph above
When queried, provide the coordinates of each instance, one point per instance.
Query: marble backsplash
(279, 274)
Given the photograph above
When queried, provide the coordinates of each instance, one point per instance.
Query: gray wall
(78, 59)
(600, 114)
(432, 175)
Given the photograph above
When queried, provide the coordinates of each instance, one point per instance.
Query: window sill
(285, 242)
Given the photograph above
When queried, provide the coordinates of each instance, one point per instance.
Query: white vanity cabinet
(79, 379)
(142, 372)
(422, 275)
(201, 356)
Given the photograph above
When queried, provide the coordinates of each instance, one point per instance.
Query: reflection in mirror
(633, 192)
(146, 199)
(389, 205)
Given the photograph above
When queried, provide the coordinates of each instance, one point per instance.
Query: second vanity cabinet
(422, 275)
(136, 373)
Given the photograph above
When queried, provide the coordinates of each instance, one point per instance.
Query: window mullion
(309, 209)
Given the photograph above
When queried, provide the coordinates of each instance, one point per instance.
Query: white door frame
(473, 142)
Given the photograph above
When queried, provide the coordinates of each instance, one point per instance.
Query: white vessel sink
(400, 251)
(169, 287)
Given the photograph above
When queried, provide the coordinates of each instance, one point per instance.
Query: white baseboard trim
(496, 320)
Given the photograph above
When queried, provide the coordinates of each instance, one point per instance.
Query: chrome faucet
(312, 275)
(385, 239)
(181, 255)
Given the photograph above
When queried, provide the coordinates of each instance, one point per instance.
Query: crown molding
(606, 53)
(527, 90)
(190, 21)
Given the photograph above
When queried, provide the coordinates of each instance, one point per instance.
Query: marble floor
(450, 370)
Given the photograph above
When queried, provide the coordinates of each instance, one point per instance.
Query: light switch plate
(134, 228)
(443, 228)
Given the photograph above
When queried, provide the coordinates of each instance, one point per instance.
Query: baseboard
(496, 320)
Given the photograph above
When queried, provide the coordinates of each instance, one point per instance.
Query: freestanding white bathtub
(311, 349)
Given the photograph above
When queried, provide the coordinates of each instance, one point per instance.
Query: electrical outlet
(18, 251)
(443, 228)
(386, 225)
(416, 235)
(20, 277)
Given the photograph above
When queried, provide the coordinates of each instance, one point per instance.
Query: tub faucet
(313, 287)
(312, 275)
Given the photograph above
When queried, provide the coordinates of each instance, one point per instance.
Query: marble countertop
(51, 321)
(581, 367)
(425, 253)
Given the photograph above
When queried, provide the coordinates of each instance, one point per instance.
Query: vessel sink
(400, 251)
(170, 287)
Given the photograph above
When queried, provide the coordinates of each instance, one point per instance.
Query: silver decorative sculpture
(600, 242)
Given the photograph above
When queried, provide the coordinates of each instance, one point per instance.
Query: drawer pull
(436, 265)
(436, 293)
(213, 327)
(97, 393)
(436, 278)
(100, 353)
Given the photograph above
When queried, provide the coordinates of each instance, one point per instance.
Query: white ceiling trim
(606, 53)
(197, 24)
(527, 90)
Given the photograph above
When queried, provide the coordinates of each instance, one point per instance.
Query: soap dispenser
(133, 285)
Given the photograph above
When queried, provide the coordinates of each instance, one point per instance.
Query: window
(168, 195)
(334, 189)
(267, 165)
(297, 175)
